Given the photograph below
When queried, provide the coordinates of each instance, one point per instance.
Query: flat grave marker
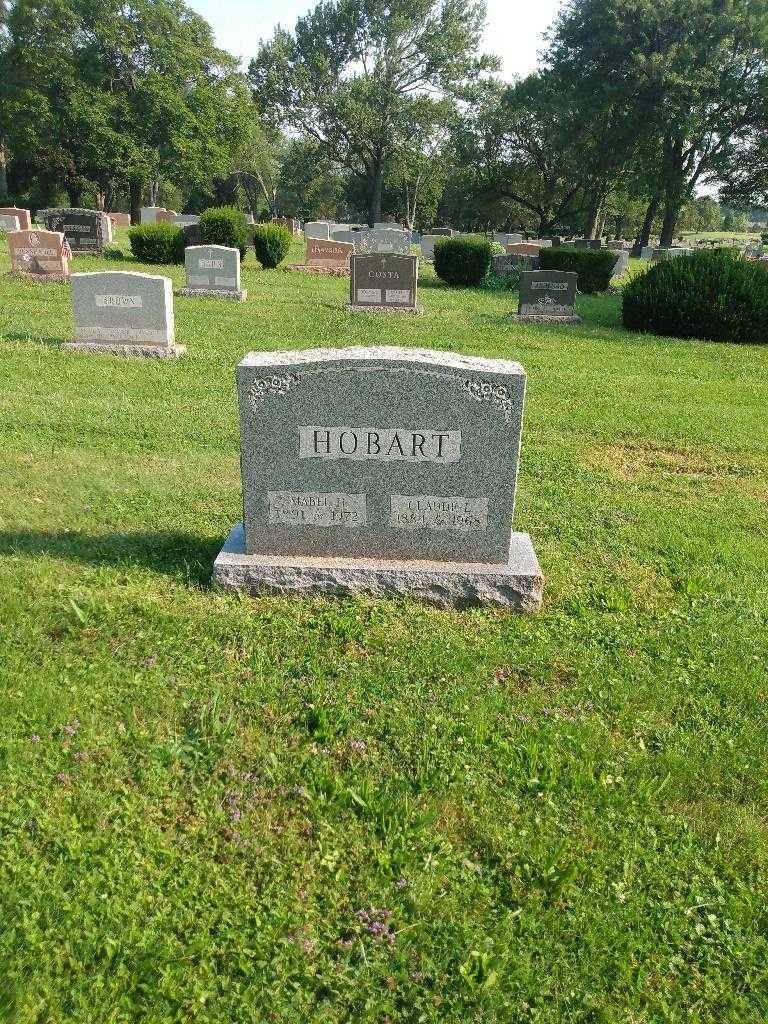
(381, 470)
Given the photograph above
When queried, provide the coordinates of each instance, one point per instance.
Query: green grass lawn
(221, 809)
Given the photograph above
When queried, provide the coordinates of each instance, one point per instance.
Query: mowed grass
(221, 809)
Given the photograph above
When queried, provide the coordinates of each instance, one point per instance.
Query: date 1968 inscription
(388, 445)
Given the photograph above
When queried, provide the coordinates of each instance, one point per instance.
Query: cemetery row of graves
(354, 794)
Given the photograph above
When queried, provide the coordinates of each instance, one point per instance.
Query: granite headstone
(124, 313)
(86, 230)
(328, 253)
(385, 282)
(381, 470)
(213, 271)
(24, 216)
(548, 295)
(41, 254)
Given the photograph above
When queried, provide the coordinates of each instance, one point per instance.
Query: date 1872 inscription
(441, 446)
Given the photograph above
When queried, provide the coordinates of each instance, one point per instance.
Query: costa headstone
(41, 254)
(213, 272)
(384, 282)
(548, 296)
(8, 222)
(317, 229)
(124, 313)
(390, 471)
(329, 254)
(86, 231)
(23, 216)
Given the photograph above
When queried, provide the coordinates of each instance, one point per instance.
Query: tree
(361, 77)
(691, 76)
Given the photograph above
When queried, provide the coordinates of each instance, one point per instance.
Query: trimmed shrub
(715, 295)
(594, 266)
(271, 242)
(463, 259)
(224, 225)
(189, 234)
(155, 243)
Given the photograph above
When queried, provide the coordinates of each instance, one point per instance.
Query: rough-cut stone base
(518, 585)
(542, 318)
(328, 271)
(22, 275)
(136, 351)
(213, 293)
(352, 307)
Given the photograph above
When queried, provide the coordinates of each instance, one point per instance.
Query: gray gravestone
(9, 223)
(622, 262)
(86, 231)
(148, 214)
(383, 470)
(443, 231)
(384, 282)
(343, 236)
(392, 240)
(510, 264)
(589, 243)
(317, 229)
(428, 247)
(124, 313)
(548, 295)
(213, 271)
(508, 238)
(185, 220)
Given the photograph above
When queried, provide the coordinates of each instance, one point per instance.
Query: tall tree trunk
(135, 187)
(3, 172)
(671, 214)
(376, 193)
(154, 191)
(650, 217)
(593, 215)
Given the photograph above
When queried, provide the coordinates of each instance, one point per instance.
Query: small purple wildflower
(401, 883)
(151, 661)
(358, 745)
(34, 738)
(376, 928)
(80, 756)
(63, 778)
(71, 727)
(345, 943)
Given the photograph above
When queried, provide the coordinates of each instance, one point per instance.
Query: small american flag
(66, 252)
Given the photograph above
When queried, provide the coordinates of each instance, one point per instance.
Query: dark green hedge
(717, 295)
(463, 260)
(271, 242)
(156, 243)
(594, 266)
(224, 225)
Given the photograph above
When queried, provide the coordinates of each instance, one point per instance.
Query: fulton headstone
(384, 470)
(41, 254)
(24, 216)
(548, 296)
(124, 313)
(213, 271)
(86, 230)
(384, 282)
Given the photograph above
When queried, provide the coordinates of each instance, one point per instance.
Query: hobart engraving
(442, 446)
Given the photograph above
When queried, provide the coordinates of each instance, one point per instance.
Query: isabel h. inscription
(384, 470)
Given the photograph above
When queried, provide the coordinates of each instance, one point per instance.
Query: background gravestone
(124, 313)
(524, 249)
(384, 282)
(387, 470)
(548, 296)
(508, 238)
(41, 254)
(392, 240)
(9, 222)
(329, 254)
(510, 264)
(85, 230)
(428, 247)
(24, 216)
(317, 229)
(213, 271)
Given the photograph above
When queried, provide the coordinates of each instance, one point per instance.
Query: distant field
(222, 810)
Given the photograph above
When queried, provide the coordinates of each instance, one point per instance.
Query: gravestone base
(352, 307)
(134, 351)
(518, 585)
(328, 271)
(543, 318)
(235, 294)
(21, 275)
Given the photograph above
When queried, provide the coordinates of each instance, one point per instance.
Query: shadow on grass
(184, 555)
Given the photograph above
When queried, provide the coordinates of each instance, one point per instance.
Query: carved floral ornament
(480, 391)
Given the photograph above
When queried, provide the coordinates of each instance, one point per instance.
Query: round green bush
(155, 243)
(224, 225)
(189, 234)
(594, 266)
(716, 295)
(271, 242)
(463, 259)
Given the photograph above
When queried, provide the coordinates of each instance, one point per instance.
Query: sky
(513, 32)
